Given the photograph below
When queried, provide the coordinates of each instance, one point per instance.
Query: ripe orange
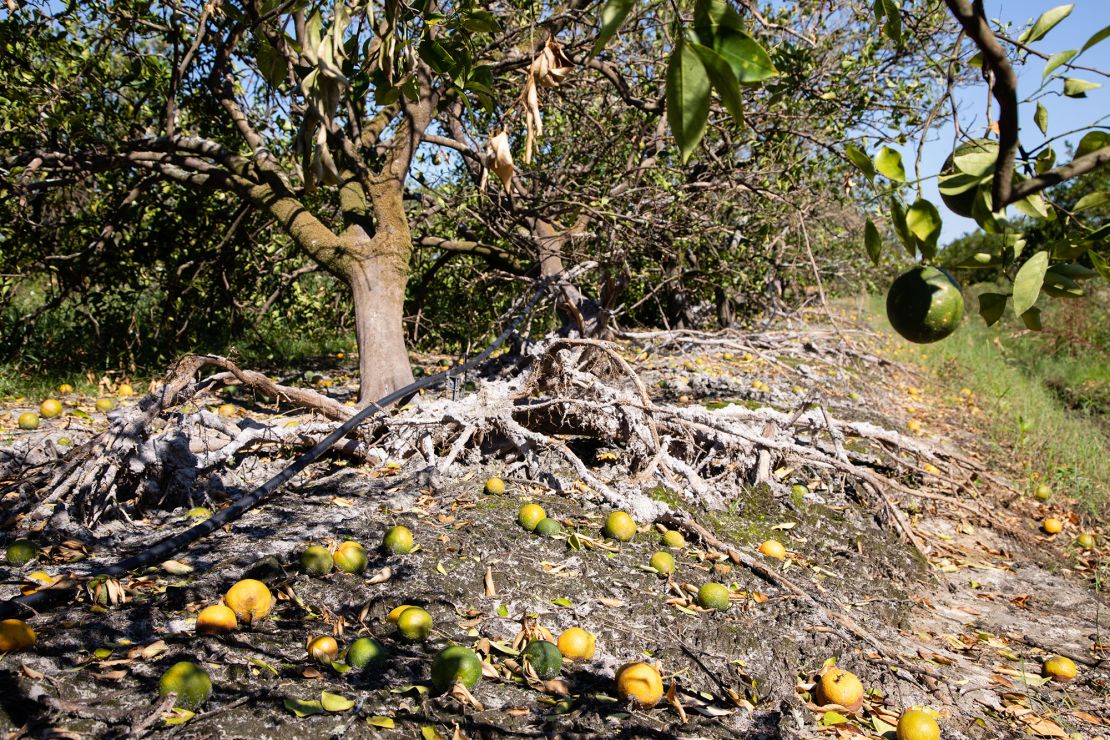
(1052, 525)
(323, 649)
(104, 405)
(773, 549)
(65, 388)
(50, 408)
(250, 600)
(640, 683)
(226, 409)
(396, 612)
(577, 644)
(1059, 668)
(28, 420)
(530, 515)
(125, 390)
(914, 724)
(840, 687)
(215, 620)
(15, 635)
(495, 486)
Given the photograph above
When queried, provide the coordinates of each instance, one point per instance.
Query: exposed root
(152, 455)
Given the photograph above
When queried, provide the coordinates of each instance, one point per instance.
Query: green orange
(456, 663)
(924, 304)
(544, 657)
(398, 540)
(189, 681)
(620, 526)
(530, 515)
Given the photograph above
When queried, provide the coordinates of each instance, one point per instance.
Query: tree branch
(1075, 168)
(1004, 89)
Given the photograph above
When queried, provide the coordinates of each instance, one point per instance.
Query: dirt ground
(961, 627)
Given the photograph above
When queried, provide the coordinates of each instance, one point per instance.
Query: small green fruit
(456, 663)
(317, 561)
(548, 527)
(619, 526)
(1086, 540)
(544, 657)
(713, 596)
(189, 681)
(398, 540)
(674, 539)
(21, 552)
(350, 558)
(663, 563)
(104, 405)
(1043, 492)
(365, 651)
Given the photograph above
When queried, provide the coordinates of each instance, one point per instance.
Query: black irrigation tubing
(163, 549)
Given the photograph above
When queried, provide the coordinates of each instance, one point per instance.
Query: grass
(1046, 396)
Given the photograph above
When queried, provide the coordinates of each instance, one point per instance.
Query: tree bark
(378, 287)
(580, 313)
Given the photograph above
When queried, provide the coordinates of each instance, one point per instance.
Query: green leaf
(502, 610)
(723, 79)
(271, 63)
(923, 221)
(1028, 281)
(888, 162)
(1072, 270)
(563, 601)
(975, 161)
(1045, 23)
(303, 708)
(430, 733)
(1059, 285)
(1077, 88)
(436, 56)
(860, 159)
(750, 62)
(1101, 265)
(687, 99)
(714, 16)
(893, 27)
(1054, 61)
(1032, 321)
(992, 306)
(1041, 118)
(481, 21)
(1092, 200)
(179, 716)
(872, 242)
(612, 18)
(258, 663)
(335, 703)
(1034, 206)
(1097, 38)
(1092, 142)
(1045, 160)
(828, 719)
(898, 220)
(386, 723)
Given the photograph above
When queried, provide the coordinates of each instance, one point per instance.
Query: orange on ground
(1059, 668)
(840, 687)
(323, 649)
(15, 635)
(577, 644)
(250, 600)
(641, 683)
(215, 620)
(50, 408)
(1052, 525)
(773, 549)
(915, 724)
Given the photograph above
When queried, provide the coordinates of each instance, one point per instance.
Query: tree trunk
(581, 314)
(378, 285)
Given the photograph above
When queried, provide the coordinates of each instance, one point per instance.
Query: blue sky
(1065, 114)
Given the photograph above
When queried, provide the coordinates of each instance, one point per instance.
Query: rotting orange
(641, 683)
(1059, 668)
(251, 600)
(323, 649)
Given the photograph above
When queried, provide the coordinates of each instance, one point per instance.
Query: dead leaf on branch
(499, 158)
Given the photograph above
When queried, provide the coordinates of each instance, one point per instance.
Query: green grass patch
(1045, 396)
